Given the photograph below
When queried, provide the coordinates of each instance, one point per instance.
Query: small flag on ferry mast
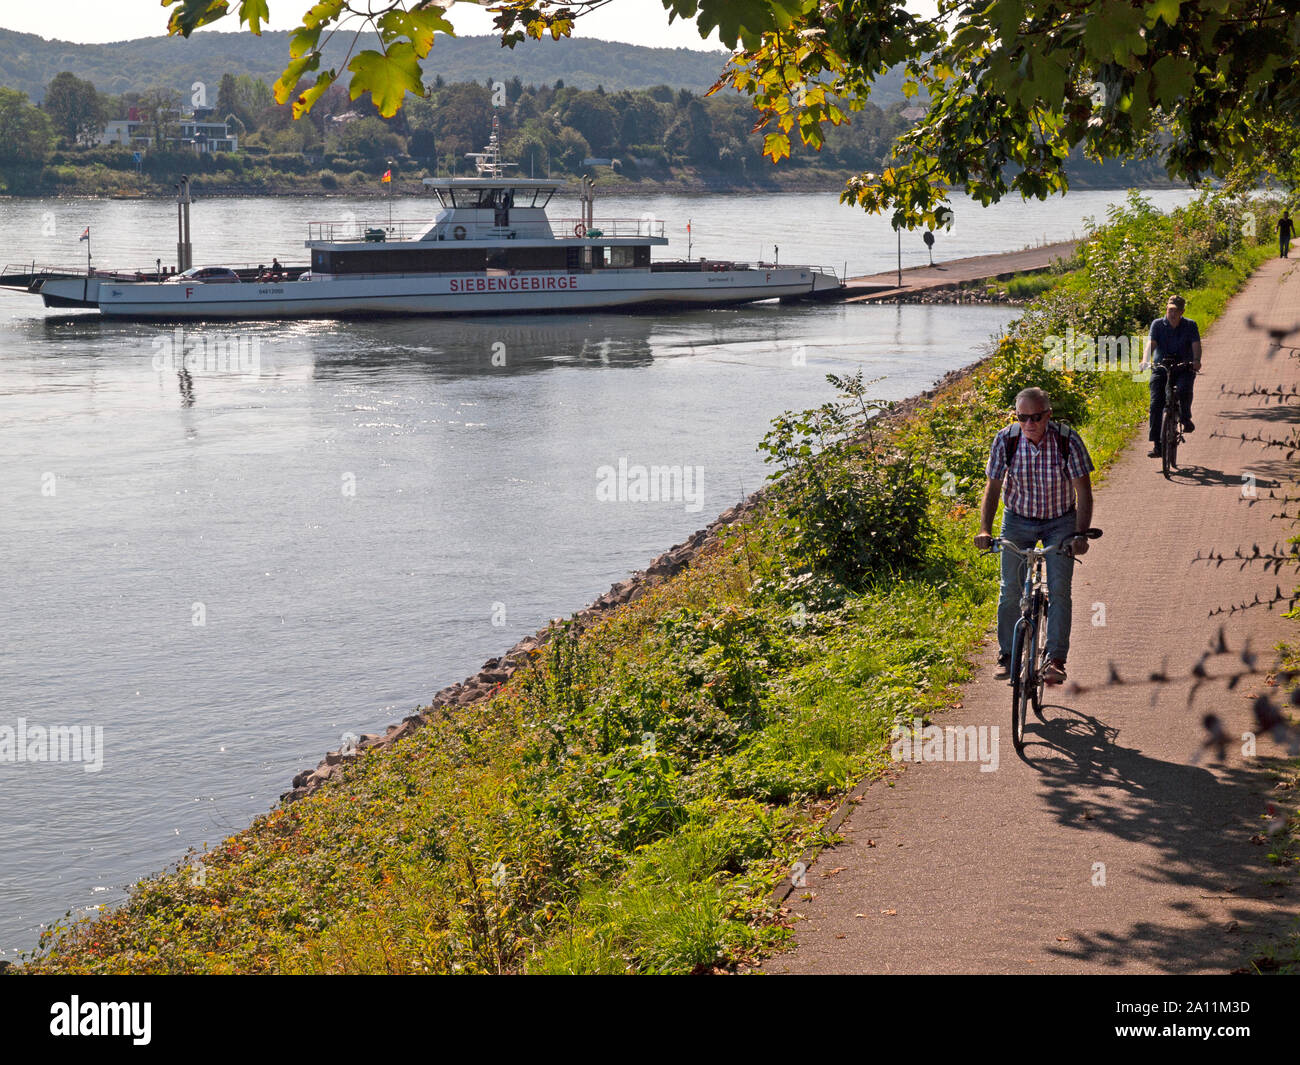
(388, 176)
(85, 235)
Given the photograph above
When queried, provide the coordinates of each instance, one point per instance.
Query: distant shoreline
(606, 184)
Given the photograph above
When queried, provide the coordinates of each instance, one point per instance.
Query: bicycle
(1029, 659)
(1171, 433)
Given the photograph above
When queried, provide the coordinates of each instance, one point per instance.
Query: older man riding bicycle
(1047, 497)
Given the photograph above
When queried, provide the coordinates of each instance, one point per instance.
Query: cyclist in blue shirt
(1173, 339)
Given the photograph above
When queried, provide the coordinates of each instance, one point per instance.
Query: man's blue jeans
(1183, 382)
(1027, 532)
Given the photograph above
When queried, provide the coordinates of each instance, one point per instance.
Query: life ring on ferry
(458, 232)
(580, 230)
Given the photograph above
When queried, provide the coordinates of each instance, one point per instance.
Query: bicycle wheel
(1021, 681)
(1039, 658)
(1169, 442)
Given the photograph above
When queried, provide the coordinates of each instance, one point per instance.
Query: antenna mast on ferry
(488, 162)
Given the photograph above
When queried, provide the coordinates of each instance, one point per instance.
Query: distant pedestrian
(1285, 230)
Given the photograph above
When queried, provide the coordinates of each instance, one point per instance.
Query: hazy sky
(634, 21)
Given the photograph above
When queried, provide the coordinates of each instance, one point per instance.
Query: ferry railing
(38, 271)
(349, 230)
(565, 228)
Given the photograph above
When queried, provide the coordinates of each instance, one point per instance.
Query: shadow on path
(1199, 821)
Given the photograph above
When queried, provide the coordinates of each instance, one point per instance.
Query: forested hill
(28, 62)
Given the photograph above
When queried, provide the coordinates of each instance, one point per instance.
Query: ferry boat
(490, 249)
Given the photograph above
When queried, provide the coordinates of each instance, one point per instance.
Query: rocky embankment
(496, 671)
(958, 294)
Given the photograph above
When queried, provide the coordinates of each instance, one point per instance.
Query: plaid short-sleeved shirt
(1036, 487)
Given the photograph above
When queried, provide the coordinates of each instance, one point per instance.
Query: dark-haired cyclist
(1174, 341)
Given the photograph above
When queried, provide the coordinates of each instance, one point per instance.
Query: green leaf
(1049, 81)
(735, 20)
(388, 78)
(418, 27)
(323, 12)
(305, 100)
(1096, 41)
(1173, 79)
(288, 80)
(1163, 9)
(304, 40)
(254, 13)
(1009, 15)
(776, 145)
(191, 14)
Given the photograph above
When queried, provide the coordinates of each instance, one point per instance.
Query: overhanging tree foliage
(1209, 87)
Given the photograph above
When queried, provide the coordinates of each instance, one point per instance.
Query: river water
(227, 572)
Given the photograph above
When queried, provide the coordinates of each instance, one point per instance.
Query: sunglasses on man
(1032, 418)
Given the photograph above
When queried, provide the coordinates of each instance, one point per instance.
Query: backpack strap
(1062, 432)
(1058, 429)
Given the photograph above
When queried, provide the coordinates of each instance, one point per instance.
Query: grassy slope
(626, 804)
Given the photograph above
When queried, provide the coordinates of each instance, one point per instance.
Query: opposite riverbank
(96, 182)
(625, 798)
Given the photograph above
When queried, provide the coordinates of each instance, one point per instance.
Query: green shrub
(853, 510)
(1023, 288)
(952, 443)
(1021, 363)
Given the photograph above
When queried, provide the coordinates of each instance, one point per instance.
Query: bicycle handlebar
(997, 543)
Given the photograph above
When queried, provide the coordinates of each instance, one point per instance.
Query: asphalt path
(884, 286)
(1106, 847)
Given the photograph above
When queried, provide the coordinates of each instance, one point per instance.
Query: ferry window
(543, 197)
(619, 258)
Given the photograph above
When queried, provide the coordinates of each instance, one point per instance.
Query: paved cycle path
(884, 285)
(1105, 849)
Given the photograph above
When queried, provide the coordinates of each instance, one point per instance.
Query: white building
(202, 136)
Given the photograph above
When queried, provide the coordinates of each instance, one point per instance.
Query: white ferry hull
(432, 295)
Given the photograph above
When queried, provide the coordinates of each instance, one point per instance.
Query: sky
(85, 21)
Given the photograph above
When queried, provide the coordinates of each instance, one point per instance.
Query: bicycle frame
(1171, 433)
(1029, 640)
